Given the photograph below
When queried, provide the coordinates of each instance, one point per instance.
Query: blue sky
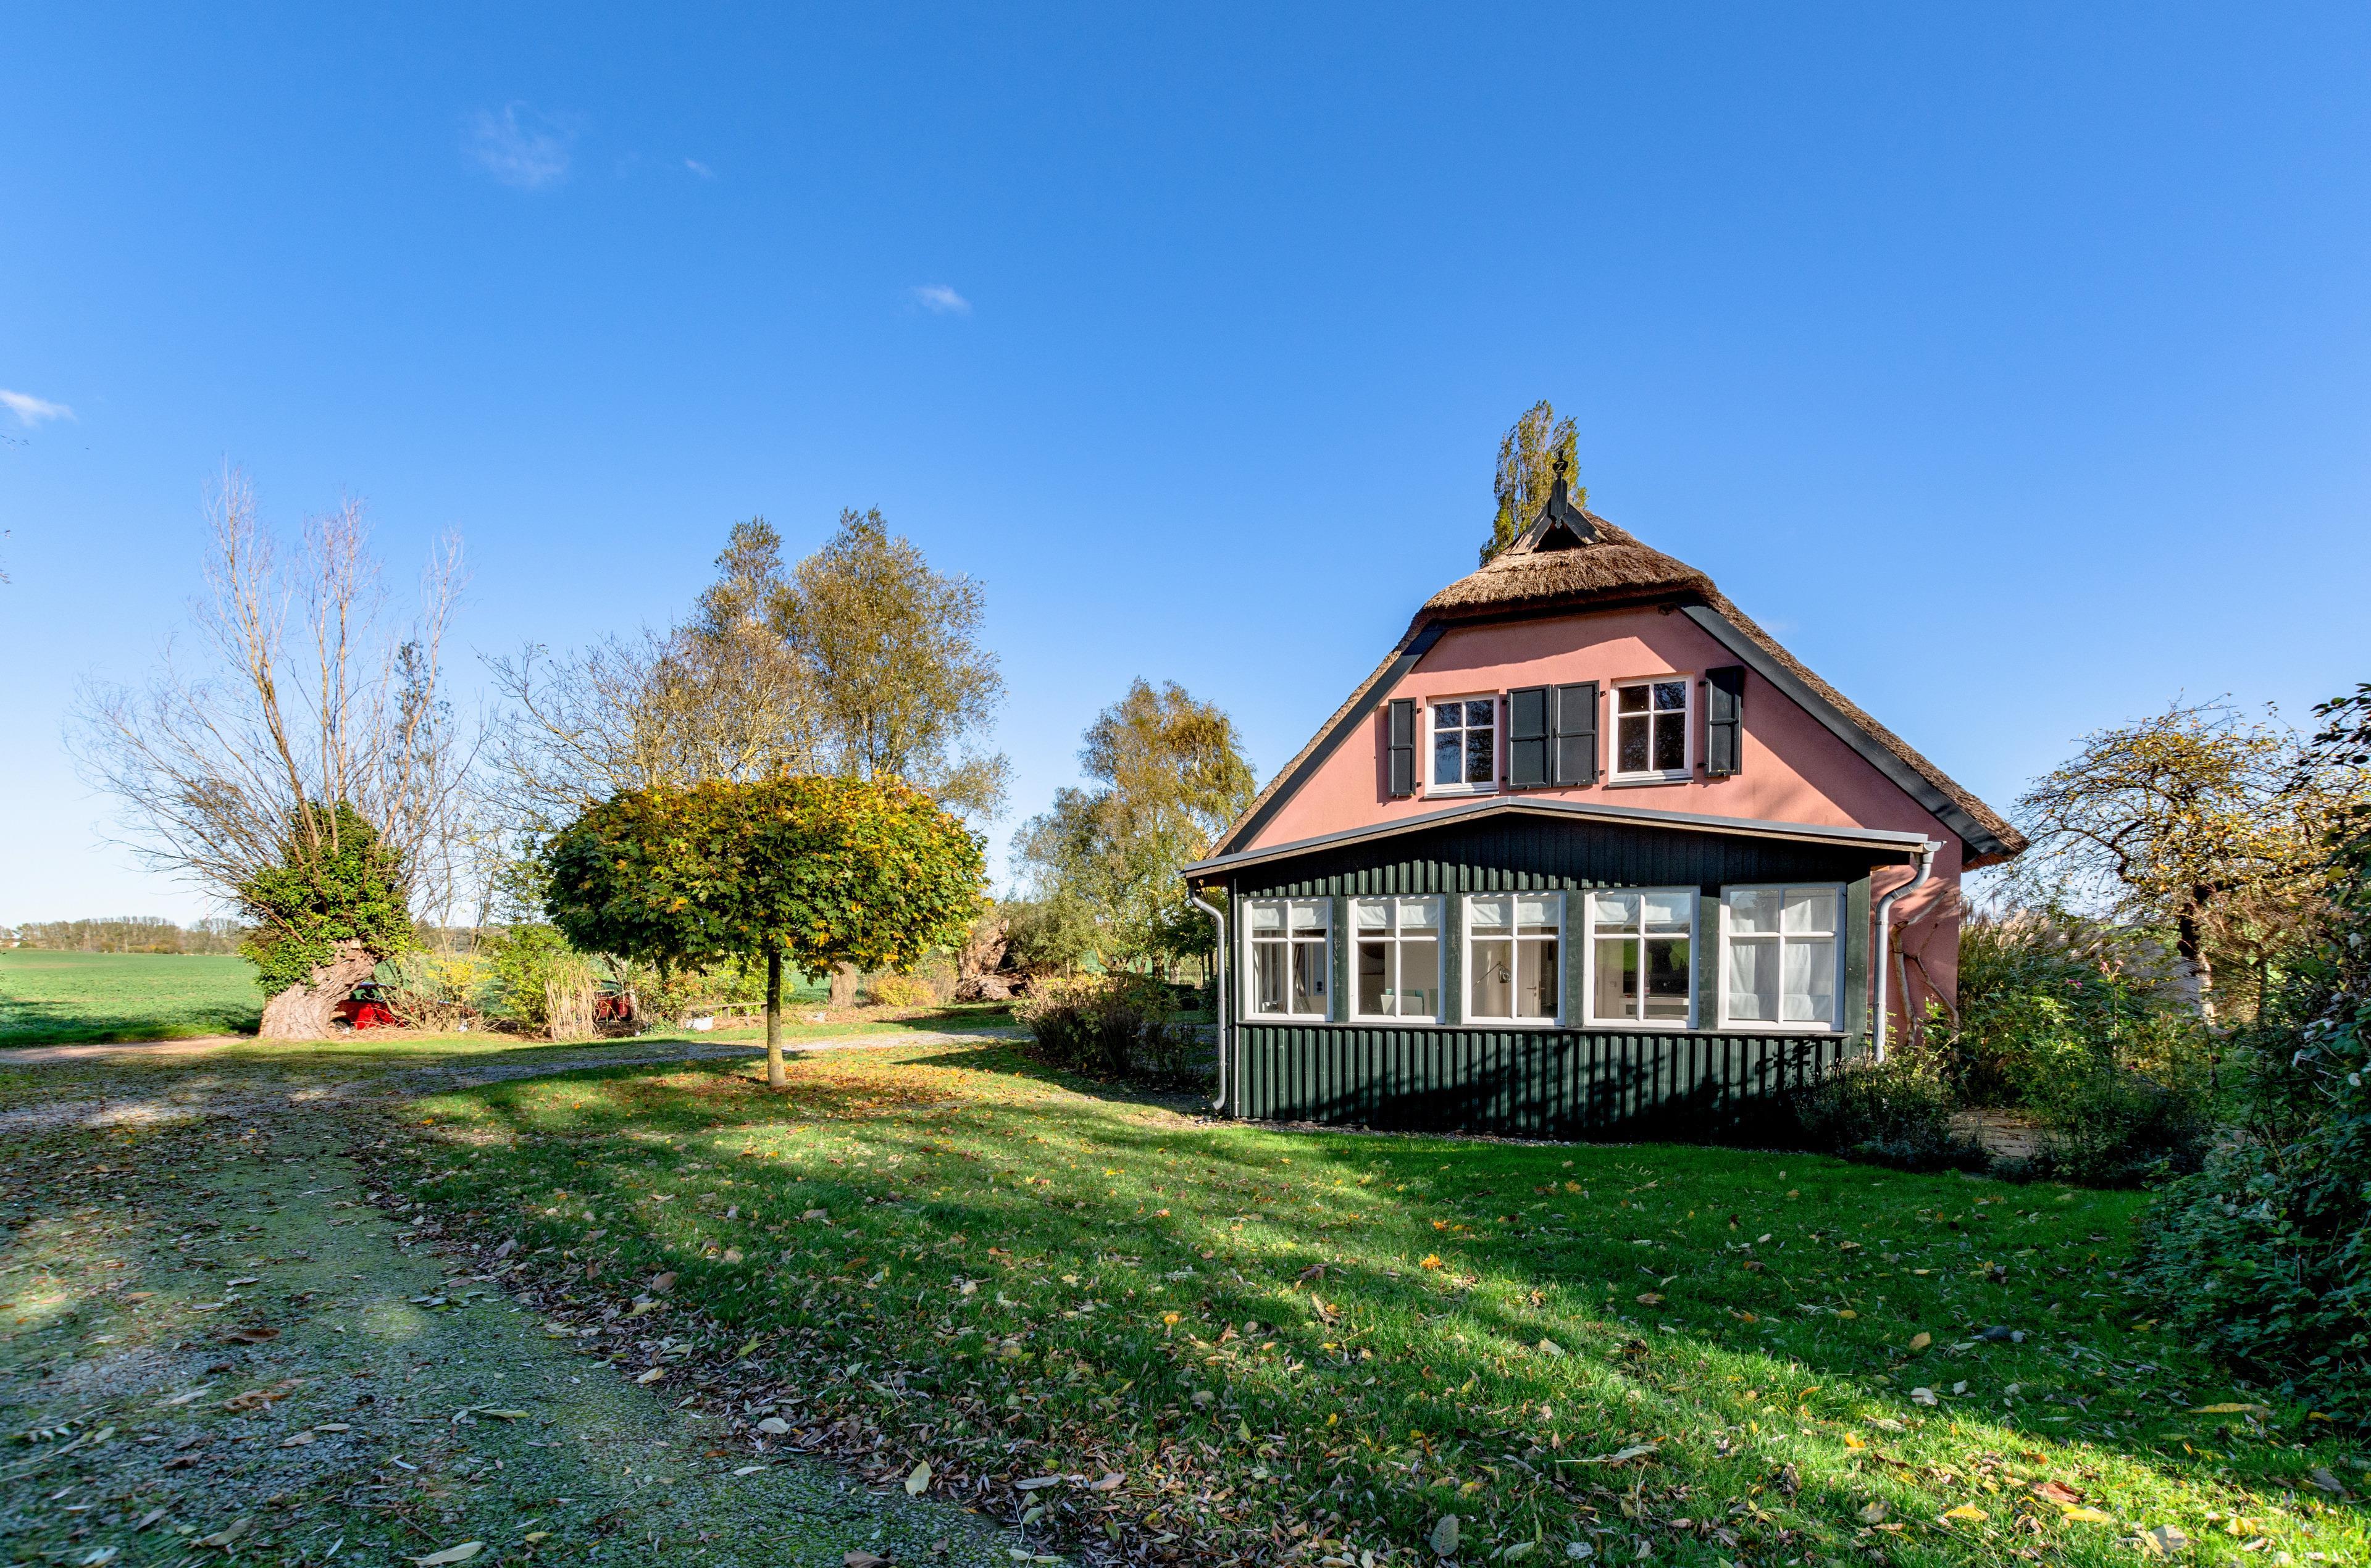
(2010, 363)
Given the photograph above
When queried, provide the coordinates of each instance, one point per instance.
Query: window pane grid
(1466, 743)
(1514, 957)
(1398, 958)
(1650, 729)
(1291, 957)
(1779, 967)
(1642, 952)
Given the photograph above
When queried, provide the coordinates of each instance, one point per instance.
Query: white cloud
(938, 299)
(32, 411)
(700, 168)
(522, 148)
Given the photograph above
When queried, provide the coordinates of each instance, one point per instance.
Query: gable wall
(1794, 770)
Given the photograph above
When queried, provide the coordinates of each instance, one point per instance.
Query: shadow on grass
(1531, 1307)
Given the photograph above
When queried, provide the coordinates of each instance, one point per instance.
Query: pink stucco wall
(1794, 770)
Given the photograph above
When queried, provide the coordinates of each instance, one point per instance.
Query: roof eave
(1886, 842)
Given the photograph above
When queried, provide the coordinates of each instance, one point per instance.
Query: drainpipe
(1219, 993)
(1885, 939)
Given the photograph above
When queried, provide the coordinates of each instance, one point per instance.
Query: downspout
(1219, 993)
(1885, 940)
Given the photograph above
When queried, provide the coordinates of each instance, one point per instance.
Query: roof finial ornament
(1560, 525)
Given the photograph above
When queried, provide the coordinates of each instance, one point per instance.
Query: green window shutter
(1527, 737)
(1576, 733)
(1400, 740)
(1725, 720)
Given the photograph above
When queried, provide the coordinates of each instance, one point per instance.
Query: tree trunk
(775, 1077)
(2188, 942)
(843, 984)
(306, 1011)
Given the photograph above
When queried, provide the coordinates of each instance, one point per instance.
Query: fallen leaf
(243, 1279)
(2087, 1517)
(1967, 1511)
(1922, 1396)
(1920, 1340)
(919, 1481)
(1650, 1298)
(296, 1440)
(773, 1427)
(864, 1559)
(653, 1376)
(229, 1534)
(2057, 1491)
(1107, 1483)
(257, 1335)
(1444, 1534)
(2163, 1541)
(1872, 1513)
(1550, 1347)
(534, 1536)
(461, 1554)
(504, 1414)
(1852, 1440)
(2326, 1481)
(1520, 1550)
(748, 1469)
(662, 1283)
(2231, 1410)
(1035, 1481)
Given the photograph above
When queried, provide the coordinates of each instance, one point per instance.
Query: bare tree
(718, 697)
(234, 762)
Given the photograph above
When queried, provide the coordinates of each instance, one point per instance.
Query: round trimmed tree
(817, 872)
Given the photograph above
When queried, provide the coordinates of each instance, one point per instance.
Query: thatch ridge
(1612, 571)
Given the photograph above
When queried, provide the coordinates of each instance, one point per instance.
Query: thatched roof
(1570, 560)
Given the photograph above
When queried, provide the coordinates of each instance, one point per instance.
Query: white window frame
(1250, 1009)
(1433, 707)
(1465, 1014)
(1687, 770)
(1588, 960)
(1838, 938)
(1356, 934)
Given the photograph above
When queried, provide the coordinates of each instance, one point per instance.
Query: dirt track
(234, 1353)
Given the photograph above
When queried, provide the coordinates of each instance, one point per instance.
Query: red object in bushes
(366, 1009)
(614, 1004)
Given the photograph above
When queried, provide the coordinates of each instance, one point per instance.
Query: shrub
(433, 991)
(2263, 1257)
(571, 983)
(900, 991)
(520, 963)
(2110, 1126)
(1896, 1112)
(2045, 994)
(1114, 1026)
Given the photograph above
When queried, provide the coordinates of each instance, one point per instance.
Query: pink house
(1588, 850)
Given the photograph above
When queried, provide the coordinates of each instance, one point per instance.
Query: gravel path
(213, 1345)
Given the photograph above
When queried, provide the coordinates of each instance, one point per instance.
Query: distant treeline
(126, 933)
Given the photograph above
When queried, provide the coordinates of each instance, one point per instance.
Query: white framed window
(1395, 966)
(1641, 957)
(1291, 967)
(1514, 946)
(1650, 729)
(1464, 746)
(1781, 961)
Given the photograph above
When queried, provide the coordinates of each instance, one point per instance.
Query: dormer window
(1464, 746)
(1651, 731)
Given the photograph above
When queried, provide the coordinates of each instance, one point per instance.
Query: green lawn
(1314, 1346)
(51, 997)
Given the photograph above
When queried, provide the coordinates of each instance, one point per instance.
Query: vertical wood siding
(1523, 1083)
(1553, 1083)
